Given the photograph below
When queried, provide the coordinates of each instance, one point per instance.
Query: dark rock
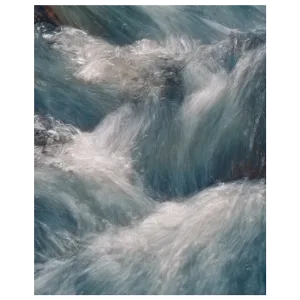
(44, 13)
(48, 131)
(40, 137)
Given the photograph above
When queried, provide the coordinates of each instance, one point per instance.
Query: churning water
(150, 159)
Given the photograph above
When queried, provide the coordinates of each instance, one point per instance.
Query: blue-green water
(150, 151)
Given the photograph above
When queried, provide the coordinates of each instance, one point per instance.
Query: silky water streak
(150, 136)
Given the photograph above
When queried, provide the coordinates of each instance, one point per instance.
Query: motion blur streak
(150, 136)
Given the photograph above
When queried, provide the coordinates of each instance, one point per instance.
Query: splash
(150, 151)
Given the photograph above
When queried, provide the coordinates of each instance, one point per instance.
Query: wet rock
(45, 14)
(48, 131)
(41, 137)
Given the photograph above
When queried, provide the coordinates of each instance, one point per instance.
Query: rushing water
(150, 159)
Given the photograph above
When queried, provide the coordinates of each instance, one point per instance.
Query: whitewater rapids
(150, 151)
